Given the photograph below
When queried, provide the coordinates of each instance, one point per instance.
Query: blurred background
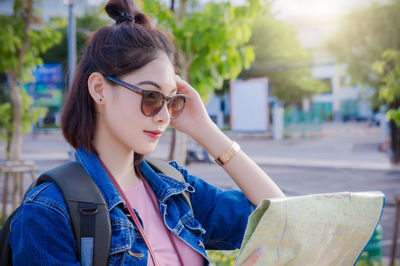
(310, 89)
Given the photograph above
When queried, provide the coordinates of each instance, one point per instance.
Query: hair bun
(142, 19)
(123, 10)
(120, 10)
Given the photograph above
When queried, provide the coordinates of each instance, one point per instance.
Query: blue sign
(47, 88)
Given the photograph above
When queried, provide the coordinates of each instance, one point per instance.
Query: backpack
(86, 206)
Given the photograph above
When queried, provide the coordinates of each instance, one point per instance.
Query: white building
(343, 101)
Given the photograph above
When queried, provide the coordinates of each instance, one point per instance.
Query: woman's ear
(96, 87)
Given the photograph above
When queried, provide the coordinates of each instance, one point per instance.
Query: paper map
(322, 229)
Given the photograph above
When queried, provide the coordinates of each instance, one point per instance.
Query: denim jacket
(41, 232)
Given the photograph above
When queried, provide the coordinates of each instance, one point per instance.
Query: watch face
(235, 146)
(228, 154)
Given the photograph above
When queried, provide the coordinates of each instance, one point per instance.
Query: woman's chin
(145, 151)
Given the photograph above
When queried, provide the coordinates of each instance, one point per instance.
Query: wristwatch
(224, 157)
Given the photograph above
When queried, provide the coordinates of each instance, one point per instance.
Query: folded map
(322, 229)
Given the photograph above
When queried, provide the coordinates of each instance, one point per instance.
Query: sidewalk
(349, 146)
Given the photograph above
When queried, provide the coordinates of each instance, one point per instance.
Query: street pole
(71, 42)
(71, 53)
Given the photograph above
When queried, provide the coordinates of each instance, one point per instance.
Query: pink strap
(132, 213)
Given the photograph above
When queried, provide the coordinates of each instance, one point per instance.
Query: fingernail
(260, 251)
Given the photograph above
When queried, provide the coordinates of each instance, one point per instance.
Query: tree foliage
(41, 38)
(21, 42)
(388, 69)
(368, 41)
(363, 35)
(211, 42)
(280, 57)
(89, 22)
(30, 116)
(211, 45)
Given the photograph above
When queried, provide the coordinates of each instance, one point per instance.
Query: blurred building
(344, 101)
(47, 8)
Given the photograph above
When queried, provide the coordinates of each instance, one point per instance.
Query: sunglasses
(153, 100)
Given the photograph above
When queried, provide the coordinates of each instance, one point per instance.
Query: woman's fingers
(183, 86)
(253, 258)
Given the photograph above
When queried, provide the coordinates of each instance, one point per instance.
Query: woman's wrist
(212, 139)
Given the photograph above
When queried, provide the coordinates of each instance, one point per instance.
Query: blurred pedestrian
(123, 97)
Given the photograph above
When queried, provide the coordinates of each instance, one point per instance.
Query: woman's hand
(253, 258)
(194, 116)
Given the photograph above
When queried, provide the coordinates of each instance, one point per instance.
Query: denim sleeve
(41, 235)
(223, 214)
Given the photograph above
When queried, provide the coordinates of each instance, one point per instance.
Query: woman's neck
(118, 160)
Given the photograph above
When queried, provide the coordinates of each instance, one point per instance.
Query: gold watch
(224, 157)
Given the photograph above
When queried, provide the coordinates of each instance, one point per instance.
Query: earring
(100, 99)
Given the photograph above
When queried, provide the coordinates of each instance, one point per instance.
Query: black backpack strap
(88, 211)
(163, 167)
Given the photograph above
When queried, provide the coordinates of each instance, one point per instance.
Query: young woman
(124, 95)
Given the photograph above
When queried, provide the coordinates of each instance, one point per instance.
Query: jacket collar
(163, 186)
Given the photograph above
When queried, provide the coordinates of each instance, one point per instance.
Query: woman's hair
(113, 50)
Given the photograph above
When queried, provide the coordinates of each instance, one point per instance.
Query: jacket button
(201, 244)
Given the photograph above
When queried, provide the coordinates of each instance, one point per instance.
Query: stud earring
(101, 99)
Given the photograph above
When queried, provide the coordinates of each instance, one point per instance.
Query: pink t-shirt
(157, 232)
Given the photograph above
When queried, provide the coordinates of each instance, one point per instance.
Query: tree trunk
(15, 145)
(16, 102)
(172, 145)
(181, 10)
(395, 142)
(8, 146)
(178, 146)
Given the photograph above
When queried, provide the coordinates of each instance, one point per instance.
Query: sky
(305, 8)
(314, 8)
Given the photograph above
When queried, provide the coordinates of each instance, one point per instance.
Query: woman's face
(123, 119)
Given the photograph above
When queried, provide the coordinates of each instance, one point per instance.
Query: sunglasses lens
(152, 102)
(176, 106)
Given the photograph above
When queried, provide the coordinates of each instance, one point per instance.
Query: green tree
(30, 116)
(280, 57)
(388, 69)
(362, 38)
(211, 44)
(89, 22)
(363, 35)
(20, 47)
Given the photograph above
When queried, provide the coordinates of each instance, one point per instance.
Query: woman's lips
(156, 134)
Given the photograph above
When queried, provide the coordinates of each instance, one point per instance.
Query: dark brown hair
(113, 50)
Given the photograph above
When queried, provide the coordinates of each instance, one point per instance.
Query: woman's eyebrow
(149, 82)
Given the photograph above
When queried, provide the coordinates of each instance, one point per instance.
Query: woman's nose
(163, 116)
